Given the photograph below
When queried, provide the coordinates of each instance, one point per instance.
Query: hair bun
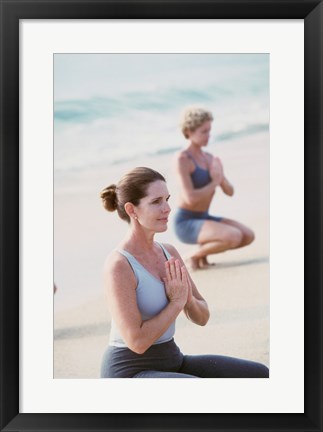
(109, 198)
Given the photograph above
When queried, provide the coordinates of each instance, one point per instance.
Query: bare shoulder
(181, 156)
(183, 161)
(116, 265)
(209, 156)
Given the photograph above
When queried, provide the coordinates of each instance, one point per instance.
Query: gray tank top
(151, 299)
(200, 176)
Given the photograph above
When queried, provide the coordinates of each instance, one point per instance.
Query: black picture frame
(11, 12)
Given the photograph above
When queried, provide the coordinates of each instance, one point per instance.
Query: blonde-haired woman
(200, 174)
(148, 286)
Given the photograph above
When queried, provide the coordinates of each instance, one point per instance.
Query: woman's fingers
(176, 282)
(188, 285)
(183, 271)
(185, 277)
(178, 270)
(173, 269)
(170, 269)
(188, 278)
(168, 273)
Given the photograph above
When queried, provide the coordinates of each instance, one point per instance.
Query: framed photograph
(259, 66)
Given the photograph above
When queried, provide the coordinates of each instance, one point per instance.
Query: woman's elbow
(205, 319)
(201, 319)
(229, 190)
(136, 344)
(137, 347)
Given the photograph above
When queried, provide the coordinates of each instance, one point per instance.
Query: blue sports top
(200, 176)
(151, 299)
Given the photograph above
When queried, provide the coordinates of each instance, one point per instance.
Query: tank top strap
(166, 253)
(191, 157)
(126, 254)
(134, 264)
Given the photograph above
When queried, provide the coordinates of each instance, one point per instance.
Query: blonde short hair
(193, 117)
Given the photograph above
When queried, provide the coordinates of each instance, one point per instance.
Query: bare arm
(120, 284)
(196, 308)
(217, 167)
(227, 187)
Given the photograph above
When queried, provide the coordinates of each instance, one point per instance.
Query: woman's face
(153, 210)
(201, 135)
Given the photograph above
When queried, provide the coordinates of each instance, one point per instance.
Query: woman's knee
(233, 238)
(248, 237)
(260, 371)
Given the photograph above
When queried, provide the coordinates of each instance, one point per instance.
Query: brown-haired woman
(148, 286)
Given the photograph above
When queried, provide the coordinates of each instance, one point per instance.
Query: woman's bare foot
(203, 263)
(192, 263)
(198, 263)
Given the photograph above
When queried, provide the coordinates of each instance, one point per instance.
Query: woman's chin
(163, 229)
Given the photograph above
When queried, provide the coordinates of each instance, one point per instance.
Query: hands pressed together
(177, 283)
(216, 170)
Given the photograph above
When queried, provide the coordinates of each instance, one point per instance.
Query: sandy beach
(236, 289)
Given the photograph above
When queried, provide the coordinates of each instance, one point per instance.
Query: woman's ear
(130, 209)
(187, 133)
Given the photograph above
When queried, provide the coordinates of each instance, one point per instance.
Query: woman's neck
(139, 241)
(195, 150)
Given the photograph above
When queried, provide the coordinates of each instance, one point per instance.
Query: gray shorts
(188, 224)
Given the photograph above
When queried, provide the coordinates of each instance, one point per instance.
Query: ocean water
(119, 107)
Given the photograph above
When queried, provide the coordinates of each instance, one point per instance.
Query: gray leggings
(166, 361)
